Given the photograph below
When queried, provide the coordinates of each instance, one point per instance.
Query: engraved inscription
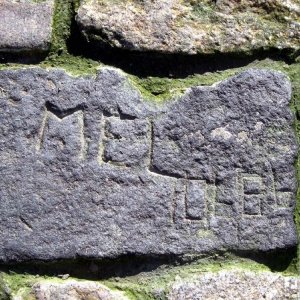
(126, 142)
(252, 185)
(253, 197)
(90, 169)
(196, 200)
(285, 199)
(62, 136)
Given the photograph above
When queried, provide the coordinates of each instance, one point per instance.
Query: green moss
(161, 89)
(59, 56)
(61, 27)
(74, 65)
(19, 283)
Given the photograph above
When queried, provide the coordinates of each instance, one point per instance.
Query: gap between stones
(131, 265)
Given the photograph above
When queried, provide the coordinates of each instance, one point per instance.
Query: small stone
(192, 27)
(25, 26)
(236, 284)
(64, 276)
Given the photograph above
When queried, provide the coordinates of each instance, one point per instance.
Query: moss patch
(61, 28)
(59, 56)
(161, 89)
(16, 282)
(73, 65)
(20, 285)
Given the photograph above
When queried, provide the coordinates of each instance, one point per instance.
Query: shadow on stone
(277, 261)
(28, 57)
(123, 266)
(130, 265)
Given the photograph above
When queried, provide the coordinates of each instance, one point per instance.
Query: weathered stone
(240, 285)
(192, 26)
(90, 169)
(25, 25)
(75, 290)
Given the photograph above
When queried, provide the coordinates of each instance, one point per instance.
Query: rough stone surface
(240, 285)
(192, 26)
(25, 25)
(75, 290)
(90, 169)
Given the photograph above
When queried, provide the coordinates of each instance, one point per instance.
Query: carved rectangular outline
(238, 189)
(48, 114)
(186, 201)
(242, 193)
(103, 138)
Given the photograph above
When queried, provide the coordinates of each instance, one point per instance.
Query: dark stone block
(90, 169)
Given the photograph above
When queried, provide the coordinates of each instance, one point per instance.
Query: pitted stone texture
(192, 27)
(74, 290)
(240, 285)
(90, 169)
(25, 25)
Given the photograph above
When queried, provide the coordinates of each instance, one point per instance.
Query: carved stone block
(90, 169)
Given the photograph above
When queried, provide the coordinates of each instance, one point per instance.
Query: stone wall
(149, 149)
